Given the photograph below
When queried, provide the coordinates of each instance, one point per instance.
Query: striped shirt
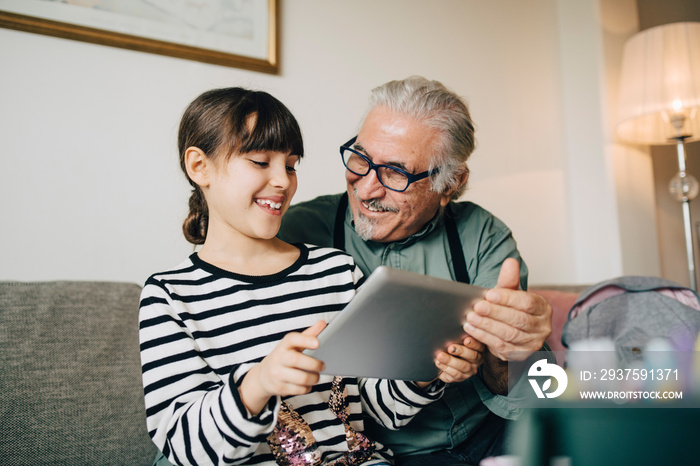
(202, 328)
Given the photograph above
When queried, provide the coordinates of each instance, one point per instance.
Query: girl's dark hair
(218, 122)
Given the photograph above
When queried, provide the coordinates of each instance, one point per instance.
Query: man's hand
(509, 319)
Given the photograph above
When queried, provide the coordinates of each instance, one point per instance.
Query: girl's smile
(273, 205)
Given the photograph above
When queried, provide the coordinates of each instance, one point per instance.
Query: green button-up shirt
(486, 243)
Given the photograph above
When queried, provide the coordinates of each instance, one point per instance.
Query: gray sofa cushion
(70, 380)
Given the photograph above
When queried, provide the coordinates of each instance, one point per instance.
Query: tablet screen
(395, 325)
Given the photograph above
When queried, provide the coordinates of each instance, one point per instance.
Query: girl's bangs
(275, 129)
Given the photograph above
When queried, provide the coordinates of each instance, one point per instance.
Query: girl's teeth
(270, 204)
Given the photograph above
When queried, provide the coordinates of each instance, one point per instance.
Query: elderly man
(404, 170)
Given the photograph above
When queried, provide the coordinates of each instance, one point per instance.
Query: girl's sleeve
(193, 415)
(393, 403)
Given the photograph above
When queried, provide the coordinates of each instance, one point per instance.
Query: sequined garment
(360, 448)
(293, 443)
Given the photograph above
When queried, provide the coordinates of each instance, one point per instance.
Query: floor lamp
(659, 100)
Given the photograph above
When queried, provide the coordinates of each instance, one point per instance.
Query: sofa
(70, 384)
(561, 298)
(70, 375)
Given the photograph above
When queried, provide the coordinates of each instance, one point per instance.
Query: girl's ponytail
(197, 221)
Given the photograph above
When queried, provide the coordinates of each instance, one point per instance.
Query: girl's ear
(462, 179)
(198, 166)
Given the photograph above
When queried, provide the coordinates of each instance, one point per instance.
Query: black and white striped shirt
(202, 328)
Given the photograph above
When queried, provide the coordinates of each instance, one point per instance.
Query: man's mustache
(375, 204)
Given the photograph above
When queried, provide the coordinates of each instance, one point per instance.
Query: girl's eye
(291, 168)
(260, 164)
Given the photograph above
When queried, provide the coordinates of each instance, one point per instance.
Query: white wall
(91, 188)
(630, 166)
(611, 191)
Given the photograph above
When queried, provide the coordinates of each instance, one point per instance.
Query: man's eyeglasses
(390, 177)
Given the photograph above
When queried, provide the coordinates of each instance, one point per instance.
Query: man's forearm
(495, 373)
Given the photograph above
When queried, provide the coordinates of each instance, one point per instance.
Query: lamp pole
(684, 187)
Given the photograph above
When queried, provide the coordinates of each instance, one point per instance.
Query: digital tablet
(395, 325)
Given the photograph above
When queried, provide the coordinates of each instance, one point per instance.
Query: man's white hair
(435, 106)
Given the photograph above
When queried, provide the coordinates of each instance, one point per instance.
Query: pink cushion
(561, 302)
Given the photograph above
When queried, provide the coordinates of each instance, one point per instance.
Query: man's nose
(368, 186)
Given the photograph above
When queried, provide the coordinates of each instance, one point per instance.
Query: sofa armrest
(561, 298)
(71, 386)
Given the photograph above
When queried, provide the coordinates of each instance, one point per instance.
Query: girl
(222, 334)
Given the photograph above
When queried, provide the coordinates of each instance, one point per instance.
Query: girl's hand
(285, 371)
(458, 362)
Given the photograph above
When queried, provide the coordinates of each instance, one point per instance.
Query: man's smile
(374, 205)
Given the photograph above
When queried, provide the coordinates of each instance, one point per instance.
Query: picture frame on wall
(236, 33)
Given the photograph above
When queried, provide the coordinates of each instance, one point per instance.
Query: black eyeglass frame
(412, 178)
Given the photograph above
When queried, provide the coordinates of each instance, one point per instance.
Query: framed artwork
(238, 33)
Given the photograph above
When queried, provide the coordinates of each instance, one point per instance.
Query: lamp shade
(660, 79)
